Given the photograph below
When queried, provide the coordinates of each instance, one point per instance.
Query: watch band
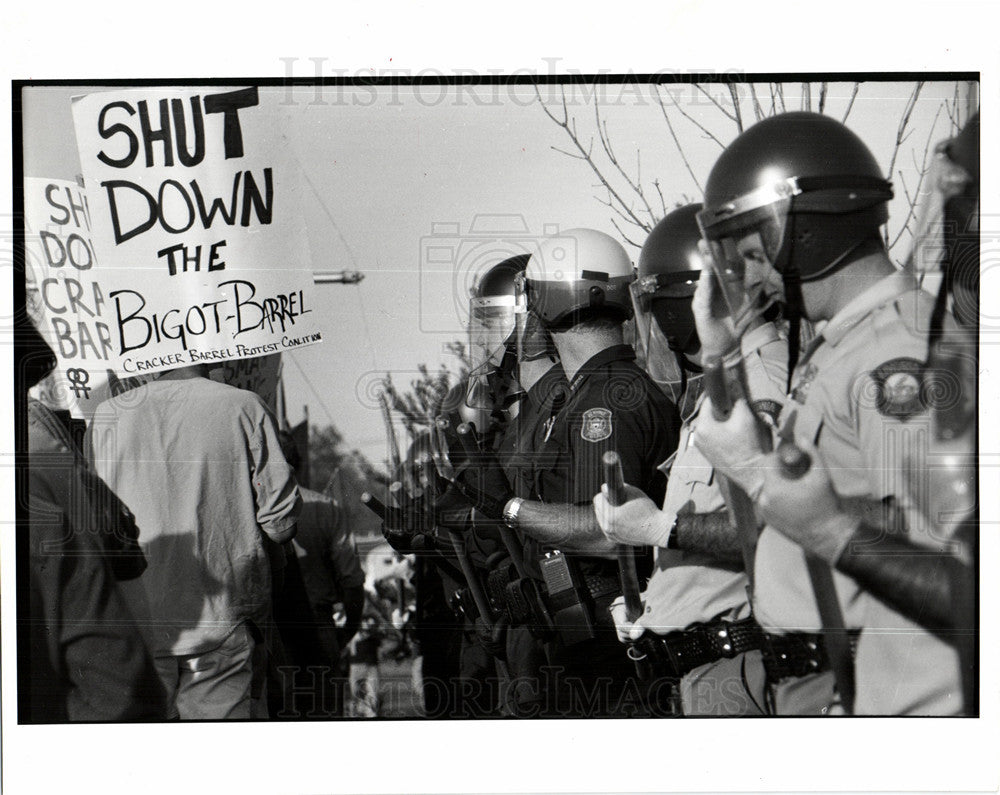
(510, 511)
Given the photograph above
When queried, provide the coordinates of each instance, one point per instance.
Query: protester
(201, 464)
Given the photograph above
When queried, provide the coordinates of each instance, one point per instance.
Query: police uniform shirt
(613, 405)
(857, 396)
(688, 587)
(525, 434)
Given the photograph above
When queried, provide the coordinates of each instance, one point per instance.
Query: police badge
(596, 425)
(899, 387)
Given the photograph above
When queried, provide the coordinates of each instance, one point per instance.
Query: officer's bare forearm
(711, 533)
(936, 591)
(573, 528)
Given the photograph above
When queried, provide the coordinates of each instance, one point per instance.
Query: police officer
(697, 625)
(576, 285)
(937, 592)
(802, 192)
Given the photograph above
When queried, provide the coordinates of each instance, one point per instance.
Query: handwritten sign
(202, 249)
(65, 299)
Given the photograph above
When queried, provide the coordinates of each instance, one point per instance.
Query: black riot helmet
(494, 309)
(806, 184)
(668, 272)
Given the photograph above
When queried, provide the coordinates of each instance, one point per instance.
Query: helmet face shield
(492, 340)
(743, 249)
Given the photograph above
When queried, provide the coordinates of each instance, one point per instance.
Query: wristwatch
(510, 511)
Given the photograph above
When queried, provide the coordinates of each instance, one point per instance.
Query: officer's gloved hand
(636, 522)
(493, 638)
(807, 510)
(625, 629)
(716, 331)
(732, 446)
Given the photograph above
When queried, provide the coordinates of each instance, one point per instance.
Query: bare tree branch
(635, 185)
(922, 170)
(770, 87)
(850, 103)
(904, 120)
(822, 95)
(781, 95)
(677, 143)
(715, 102)
(624, 236)
(568, 124)
(758, 111)
(735, 96)
(663, 202)
(806, 95)
(690, 118)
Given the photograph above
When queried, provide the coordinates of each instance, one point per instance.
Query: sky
(191, 38)
(390, 173)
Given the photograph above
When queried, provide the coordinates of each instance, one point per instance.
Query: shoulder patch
(596, 425)
(898, 384)
(767, 408)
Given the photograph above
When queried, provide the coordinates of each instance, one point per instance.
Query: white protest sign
(64, 296)
(202, 249)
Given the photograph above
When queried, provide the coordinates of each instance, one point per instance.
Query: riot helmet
(668, 272)
(493, 316)
(578, 275)
(799, 191)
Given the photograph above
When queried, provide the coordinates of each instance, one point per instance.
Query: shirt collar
(615, 353)
(879, 294)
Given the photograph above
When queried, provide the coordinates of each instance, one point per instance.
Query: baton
(389, 516)
(615, 480)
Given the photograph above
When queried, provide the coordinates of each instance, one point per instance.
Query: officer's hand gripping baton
(626, 554)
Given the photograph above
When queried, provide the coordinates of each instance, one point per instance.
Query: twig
(911, 103)
(636, 185)
(677, 143)
(625, 237)
(781, 95)
(569, 125)
(715, 102)
(663, 202)
(689, 117)
(922, 171)
(850, 103)
(758, 111)
(822, 95)
(735, 96)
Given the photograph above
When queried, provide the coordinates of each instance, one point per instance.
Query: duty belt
(675, 654)
(520, 599)
(797, 654)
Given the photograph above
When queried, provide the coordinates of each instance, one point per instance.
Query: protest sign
(65, 298)
(202, 249)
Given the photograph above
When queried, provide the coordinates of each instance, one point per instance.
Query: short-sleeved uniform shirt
(200, 466)
(612, 405)
(689, 587)
(857, 396)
